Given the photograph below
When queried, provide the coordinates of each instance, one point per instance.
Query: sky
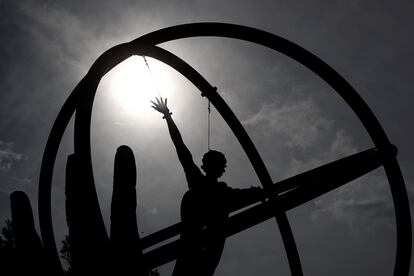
(296, 121)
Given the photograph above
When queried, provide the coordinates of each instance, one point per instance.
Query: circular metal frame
(81, 101)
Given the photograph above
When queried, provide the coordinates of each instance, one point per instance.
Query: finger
(161, 100)
(165, 101)
(158, 101)
(154, 103)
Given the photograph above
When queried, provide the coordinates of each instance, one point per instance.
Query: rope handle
(152, 76)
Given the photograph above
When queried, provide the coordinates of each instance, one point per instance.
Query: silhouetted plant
(7, 249)
(7, 240)
(66, 254)
(154, 273)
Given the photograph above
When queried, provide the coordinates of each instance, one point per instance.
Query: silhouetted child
(206, 205)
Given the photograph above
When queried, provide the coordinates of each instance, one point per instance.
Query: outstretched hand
(161, 106)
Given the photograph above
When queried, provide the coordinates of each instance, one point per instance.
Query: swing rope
(152, 76)
(209, 122)
(208, 125)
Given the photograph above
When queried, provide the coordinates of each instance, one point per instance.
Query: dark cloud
(367, 199)
(8, 156)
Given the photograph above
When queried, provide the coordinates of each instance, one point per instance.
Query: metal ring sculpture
(82, 97)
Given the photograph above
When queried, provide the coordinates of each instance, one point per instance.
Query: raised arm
(192, 172)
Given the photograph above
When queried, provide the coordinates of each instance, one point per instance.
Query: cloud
(24, 180)
(310, 139)
(363, 205)
(67, 40)
(8, 156)
(299, 122)
(339, 146)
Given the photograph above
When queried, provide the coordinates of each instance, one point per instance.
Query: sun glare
(132, 85)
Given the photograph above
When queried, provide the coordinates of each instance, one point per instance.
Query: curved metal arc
(279, 44)
(67, 111)
(83, 119)
(402, 217)
(45, 180)
(340, 85)
(46, 173)
(331, 77)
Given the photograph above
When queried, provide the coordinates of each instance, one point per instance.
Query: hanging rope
(208, 125)
(152, 77)
(209, 121)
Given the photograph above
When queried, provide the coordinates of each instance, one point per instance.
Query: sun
(132, 85)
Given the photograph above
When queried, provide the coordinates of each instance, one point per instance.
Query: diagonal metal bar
(310, 185)
(316, 182)
(287, 194)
